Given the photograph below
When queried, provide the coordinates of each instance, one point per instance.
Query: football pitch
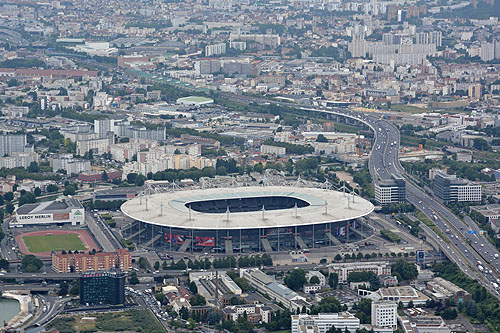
(49, 243)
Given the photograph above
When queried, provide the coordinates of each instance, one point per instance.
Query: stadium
(245, 219)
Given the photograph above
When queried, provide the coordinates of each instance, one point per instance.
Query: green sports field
(49, 243)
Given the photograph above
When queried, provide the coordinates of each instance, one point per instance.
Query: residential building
(15, 160)
(102, 288)
(449, 188)
(384, 314)
(85, 262)
(344, 269)
(69, 164)
(215, 49)
(322, 322)
(273, 150)
(14, 143)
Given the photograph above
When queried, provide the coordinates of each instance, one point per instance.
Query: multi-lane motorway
(465, 249)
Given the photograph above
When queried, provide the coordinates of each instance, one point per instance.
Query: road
(101, 232)
(467, 250)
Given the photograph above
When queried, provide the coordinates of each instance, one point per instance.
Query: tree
(197, 299)
(449, 313)
(333, 280)
(296, 279)
(157, 265)
(4, 264)
(75, 288)
(104, 176)
(143, 263)
(410, 305)
(51, 188)
(33, 167)
(31, 264)
(133, 278)
(314, 280)
(193, 288)
(69, 190)
(337, 257)
(8, 196)
(63, 288)
(26, 198)
(321, 138)
(37, 191)
(404, 270)
(164, 265)
(481, 144)
(9, 208)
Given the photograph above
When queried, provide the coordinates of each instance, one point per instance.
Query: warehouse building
(65, 210)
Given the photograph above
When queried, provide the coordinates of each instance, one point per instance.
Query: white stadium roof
(171, 209)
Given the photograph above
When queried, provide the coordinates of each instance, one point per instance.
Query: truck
(495, 285)
(481, 269)
(434, 217)
(496, 255)
(478, 263)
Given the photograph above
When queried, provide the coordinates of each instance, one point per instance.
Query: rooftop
(49, 207)
(172, 209)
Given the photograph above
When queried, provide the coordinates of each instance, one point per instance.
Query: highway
(467, 250)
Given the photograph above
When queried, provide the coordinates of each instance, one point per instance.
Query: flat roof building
(98, 288)
(344, 269)
(84, 262)
(66, 210)
(391, 190)
(449, 188)
(385, 314)
(322, 322)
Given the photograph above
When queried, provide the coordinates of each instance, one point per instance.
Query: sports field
(49, 243)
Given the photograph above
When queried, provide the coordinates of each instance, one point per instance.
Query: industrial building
(117, 194)
(211, 284)
(278, 292)
(60, 211)
(102, 288)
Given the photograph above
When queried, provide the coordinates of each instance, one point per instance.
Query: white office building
(322, 322)
(384, 314)
(344, 269)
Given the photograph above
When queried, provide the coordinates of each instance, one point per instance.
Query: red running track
(84, 236)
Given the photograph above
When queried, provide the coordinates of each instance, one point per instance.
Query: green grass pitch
(49, 243)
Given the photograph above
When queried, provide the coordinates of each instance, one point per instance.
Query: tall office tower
(102, 288)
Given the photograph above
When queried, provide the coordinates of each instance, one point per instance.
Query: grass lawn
(131, 321)
(48, 243)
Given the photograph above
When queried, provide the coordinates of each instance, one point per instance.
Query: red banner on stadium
(172, 238)
(205, 241)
